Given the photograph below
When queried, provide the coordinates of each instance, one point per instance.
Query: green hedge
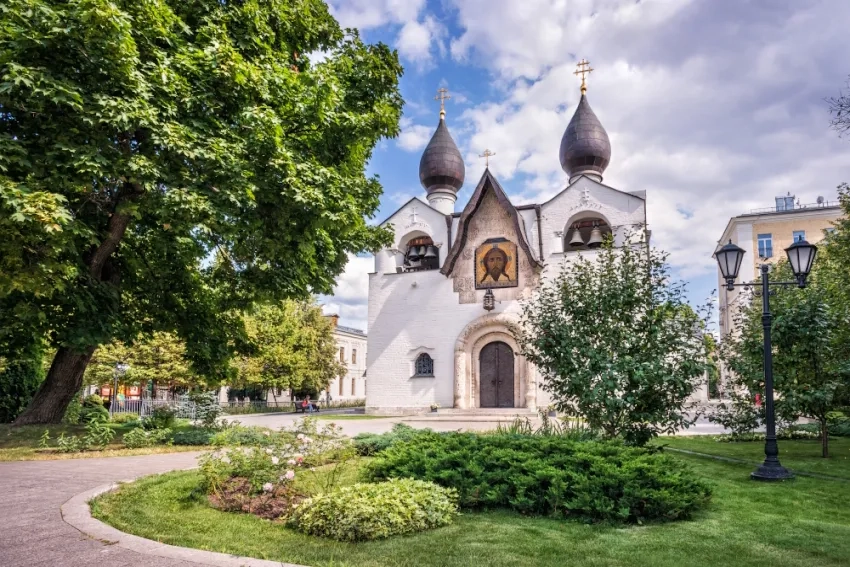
(373, 511)
(368, 444)
(548, 475)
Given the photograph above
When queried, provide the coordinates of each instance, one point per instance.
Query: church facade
(444, 299)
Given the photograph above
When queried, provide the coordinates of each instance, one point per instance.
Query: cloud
(413, 137)
(350, 296)
(418, 37)
(711, 111)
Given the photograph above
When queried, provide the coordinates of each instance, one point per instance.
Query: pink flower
(268, 487)
(307, 440)
(290, 475)
(290, 462)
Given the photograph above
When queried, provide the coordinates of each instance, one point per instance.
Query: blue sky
(713, 107)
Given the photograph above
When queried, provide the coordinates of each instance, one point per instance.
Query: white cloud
(350, 296)
(418, 36)
(414, 137)
(709, 112)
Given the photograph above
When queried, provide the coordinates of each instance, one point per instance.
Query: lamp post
(801, 256)
(120, 369)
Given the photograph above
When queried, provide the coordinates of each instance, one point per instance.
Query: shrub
(92, 401)
(373, 511)
(93, 413)
(192, 437)
(207, 409)
(98, 434)
(240, 435)
(572, 429)
(548, 475)
(368, 444)
(139, 437)
(72, 414)
(124, 418)
(19, 381)
(162, 417)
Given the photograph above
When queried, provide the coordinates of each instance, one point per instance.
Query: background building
(764, 234)
(351, 347)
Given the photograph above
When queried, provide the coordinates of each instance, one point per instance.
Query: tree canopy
(141, 138)
(617, 343)
(293, 348)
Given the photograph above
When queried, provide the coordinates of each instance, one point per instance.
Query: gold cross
(583, 68)
(486, 155)
(442, 96)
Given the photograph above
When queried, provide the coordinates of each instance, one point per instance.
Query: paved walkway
(32, 532)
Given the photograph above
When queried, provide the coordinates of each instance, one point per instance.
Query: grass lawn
(748, 524)
(795, 455)
(22, 443)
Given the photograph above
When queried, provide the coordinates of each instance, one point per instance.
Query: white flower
(225, 459)
(308, 440)
(275, 460)
(266, 433)
(269, 451)
(268, 487)
(300, 436)
(290, 475)
(290, 462)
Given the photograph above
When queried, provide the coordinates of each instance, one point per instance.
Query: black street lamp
(801, 256)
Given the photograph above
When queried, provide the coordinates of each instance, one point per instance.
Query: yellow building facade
(764, 234)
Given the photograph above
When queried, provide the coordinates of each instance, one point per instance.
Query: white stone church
(443, 299)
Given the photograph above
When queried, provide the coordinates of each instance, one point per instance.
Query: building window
(424, 365)
(765, 246)
(354, 356)
(799, 235)
(785, 203)
(342, 354)
(421, 255)
(341, 383)
(353, 386)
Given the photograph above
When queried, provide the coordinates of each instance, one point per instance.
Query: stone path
(32, 532)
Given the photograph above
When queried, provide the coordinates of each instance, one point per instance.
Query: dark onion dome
(441, 166)
(585, 148)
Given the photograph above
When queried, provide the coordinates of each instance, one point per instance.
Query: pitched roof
(487, 182)
(383, 222)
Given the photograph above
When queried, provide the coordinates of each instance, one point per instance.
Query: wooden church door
(496, 376)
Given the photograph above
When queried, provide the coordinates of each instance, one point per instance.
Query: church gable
(490, 250)
(498, 215)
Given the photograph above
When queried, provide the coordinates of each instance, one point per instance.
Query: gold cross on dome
(583, 68)
(442, 96)
(487, 155)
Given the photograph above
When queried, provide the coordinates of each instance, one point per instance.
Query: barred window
(424, 365)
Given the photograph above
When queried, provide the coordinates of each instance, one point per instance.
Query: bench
(301, 409)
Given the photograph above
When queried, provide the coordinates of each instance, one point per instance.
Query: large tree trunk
(64, 380)
(824, 439)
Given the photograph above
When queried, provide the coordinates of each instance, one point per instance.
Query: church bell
(576, 240)
(595, 240)
(431, 252)
(413, 254)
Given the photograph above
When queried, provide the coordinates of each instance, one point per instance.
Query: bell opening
(421, 254)
(586, 234)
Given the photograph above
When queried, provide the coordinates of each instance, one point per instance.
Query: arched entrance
(496, 375)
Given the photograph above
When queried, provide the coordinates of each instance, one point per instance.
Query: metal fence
(182, 406)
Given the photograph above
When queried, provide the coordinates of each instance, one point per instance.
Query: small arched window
(421, 254)
(424, 365)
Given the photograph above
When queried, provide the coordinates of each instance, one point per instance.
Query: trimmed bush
(240, 435)
(192, 437)
(138, 438)
(368, 444)
(162, 417)
(124, 418)
(374, 511)
(548, 475)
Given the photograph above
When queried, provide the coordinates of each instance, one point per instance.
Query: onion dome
(441, 168)
(585, 148)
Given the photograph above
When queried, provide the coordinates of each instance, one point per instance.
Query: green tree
(159, 358)
(294, 348)
(616, 342)
(139, 138)
(809, 353)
